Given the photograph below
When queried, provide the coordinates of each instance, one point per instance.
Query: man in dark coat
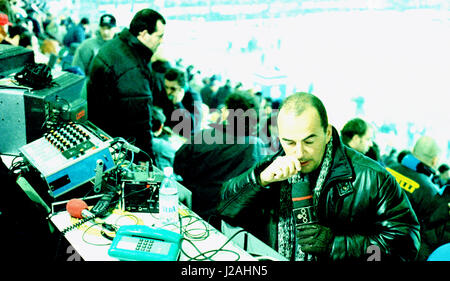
(119, 87)
(316, 199)
(414, 174)
(215, 155)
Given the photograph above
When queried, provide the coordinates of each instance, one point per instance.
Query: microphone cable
(202, 256)
(77, 224)
(67, 229)
(132, 148)
(109, 227)
(190, 235)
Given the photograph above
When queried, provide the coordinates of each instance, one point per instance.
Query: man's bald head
(298, 102)
(427, 150)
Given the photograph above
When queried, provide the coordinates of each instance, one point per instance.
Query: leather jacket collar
(341, 168)
(416, 165)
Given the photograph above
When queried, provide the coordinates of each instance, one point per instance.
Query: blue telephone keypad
(144, 245)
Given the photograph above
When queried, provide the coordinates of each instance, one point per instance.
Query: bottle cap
(168, 171)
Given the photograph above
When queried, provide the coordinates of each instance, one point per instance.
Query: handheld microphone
(303, 204)
(77, 208)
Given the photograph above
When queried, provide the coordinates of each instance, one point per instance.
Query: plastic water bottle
(168, 199)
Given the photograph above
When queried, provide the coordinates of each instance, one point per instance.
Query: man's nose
(299, 150)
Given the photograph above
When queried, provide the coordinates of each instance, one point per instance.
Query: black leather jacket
(360, 201)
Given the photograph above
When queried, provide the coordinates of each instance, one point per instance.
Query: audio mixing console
(68, 155)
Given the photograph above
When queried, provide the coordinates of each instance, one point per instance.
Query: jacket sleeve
(182, 163)
(83, 57)
(240, 192)
(396, 231)
(237, 193)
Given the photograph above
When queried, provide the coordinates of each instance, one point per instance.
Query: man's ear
(142, 33)
(354, 141)
(329, 132)
(435, 162)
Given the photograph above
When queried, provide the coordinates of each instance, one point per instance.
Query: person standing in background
(358, 135)
(89, 48)
(120, 82)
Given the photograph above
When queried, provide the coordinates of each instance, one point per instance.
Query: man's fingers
(295, 164)
(306, 240)
(288, 165)
(298, 166)
(281, 168)
(307, 233)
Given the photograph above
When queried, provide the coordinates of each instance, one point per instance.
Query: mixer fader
(70, 139)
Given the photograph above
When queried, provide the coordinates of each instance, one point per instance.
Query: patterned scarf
(286, 224)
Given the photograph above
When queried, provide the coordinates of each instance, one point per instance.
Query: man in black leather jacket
(357, 206)
(120, 83)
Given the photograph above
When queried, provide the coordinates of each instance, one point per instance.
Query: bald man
(317, 199)
(414, 174)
